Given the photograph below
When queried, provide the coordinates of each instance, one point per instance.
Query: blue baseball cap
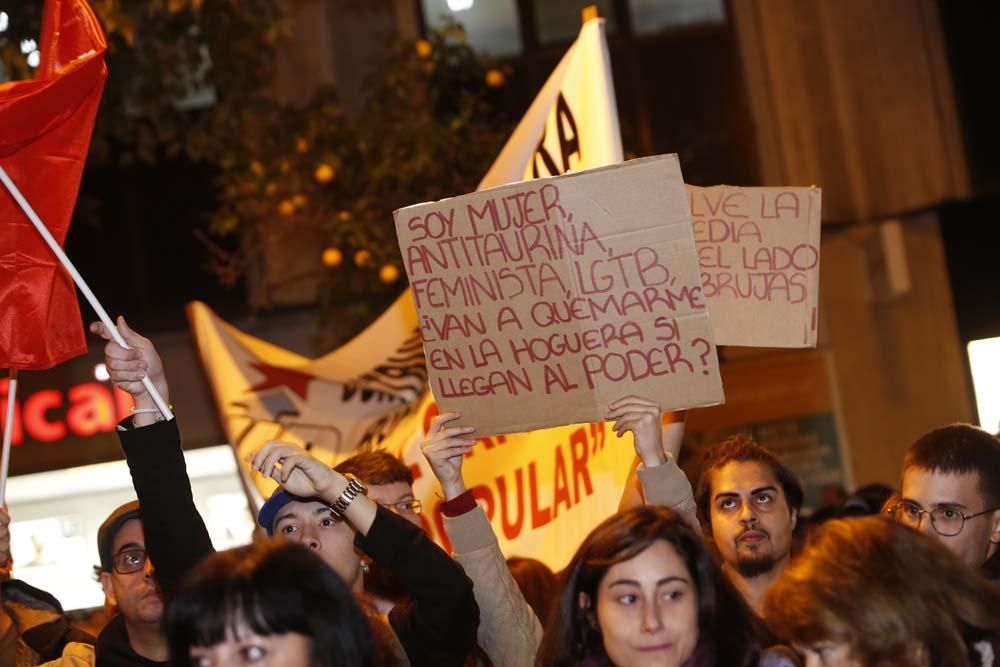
(269, 510)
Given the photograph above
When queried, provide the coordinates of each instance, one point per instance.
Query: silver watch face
(356, 485)
(354, 488)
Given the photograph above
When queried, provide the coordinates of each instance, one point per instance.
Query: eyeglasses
(129, 561)
(947, 521)
(404, 507)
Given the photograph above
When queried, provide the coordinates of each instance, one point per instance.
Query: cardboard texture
(759, 255)
(542, 302)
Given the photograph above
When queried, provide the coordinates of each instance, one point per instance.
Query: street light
(101, 373)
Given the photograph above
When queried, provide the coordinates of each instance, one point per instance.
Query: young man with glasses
(135, 636)
(389, 482)
(951, 490)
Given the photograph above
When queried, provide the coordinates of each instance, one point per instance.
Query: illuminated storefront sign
(51, 415)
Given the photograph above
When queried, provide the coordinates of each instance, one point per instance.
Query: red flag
(45, 128)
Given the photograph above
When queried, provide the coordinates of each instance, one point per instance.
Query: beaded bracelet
(159, 418)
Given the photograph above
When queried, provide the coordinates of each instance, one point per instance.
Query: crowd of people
(715, 566)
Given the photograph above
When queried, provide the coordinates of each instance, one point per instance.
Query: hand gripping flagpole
(81, 284)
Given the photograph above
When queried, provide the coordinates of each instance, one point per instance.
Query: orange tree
(429, 128)
(189, 79)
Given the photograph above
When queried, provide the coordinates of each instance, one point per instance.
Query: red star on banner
(276, 376)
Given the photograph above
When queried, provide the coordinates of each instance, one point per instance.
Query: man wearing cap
(331, 514)
(135, 635)
(180, 539)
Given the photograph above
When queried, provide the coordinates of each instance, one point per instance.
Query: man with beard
(748, 502)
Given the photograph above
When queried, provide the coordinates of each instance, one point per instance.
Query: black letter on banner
(568, 144)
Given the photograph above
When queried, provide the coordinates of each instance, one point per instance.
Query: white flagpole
(80, 283)
(8, 433)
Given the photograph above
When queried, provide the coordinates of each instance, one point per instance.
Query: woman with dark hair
(510, 630)
(641, 590)
(271, 603)
(871, 592)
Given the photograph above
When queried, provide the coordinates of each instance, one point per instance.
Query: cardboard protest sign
(759, 255)
(542, 302)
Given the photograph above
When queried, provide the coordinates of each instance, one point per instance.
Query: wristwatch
(355, 488)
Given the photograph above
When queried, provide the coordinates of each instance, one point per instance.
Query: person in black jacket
(171, 533)
(436, 627)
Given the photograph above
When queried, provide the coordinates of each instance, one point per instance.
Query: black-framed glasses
(946, 521)
(128, 561)
(404, 506)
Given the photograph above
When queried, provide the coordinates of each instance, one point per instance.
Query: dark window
(490, 26)
(651, 16)
(559, 20)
